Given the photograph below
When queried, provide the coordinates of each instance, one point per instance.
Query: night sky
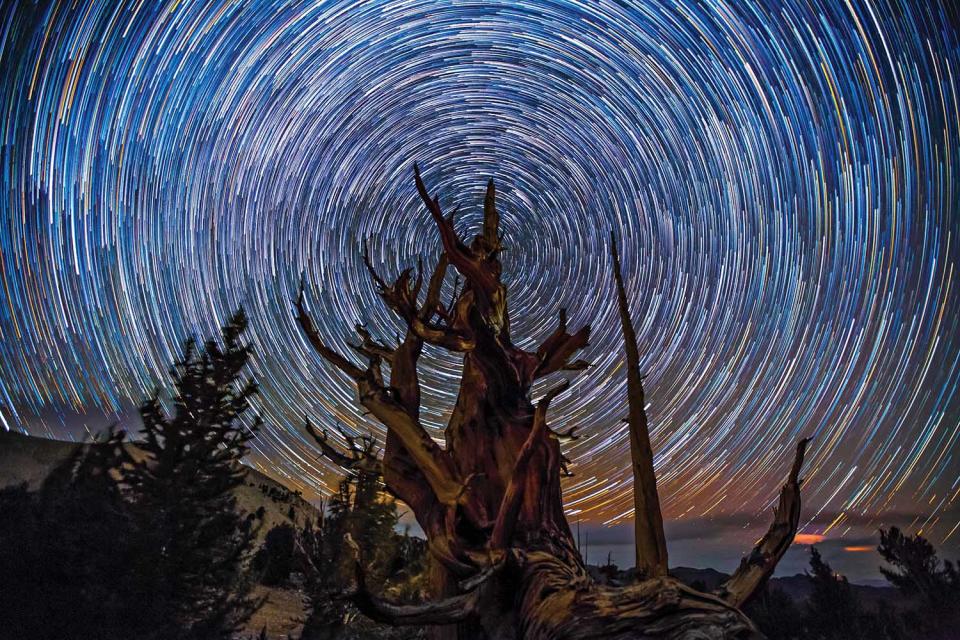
(783, 179)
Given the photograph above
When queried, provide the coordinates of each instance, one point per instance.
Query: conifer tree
(275, 559)
(362, 513)
(919, 575)
(834, 612)
(65, 550)
(194, 541)
(775, 614)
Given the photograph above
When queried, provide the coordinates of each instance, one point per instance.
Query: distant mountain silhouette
(711, 578)
(797, 586)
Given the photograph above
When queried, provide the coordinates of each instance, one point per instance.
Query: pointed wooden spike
(760, 563)
(650, 542)
(491, 219)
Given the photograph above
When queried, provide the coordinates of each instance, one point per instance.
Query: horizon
(698, 544)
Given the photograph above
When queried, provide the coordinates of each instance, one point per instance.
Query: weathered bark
(758, 566)
(650, 544)
(489, 500)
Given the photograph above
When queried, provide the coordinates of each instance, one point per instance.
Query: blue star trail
(783, 180)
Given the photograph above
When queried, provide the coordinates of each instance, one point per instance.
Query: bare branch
(465, 486)
(759, 565)
(513, 495)
(559, 346)
(576, 365)
(401, 296)
(331, 356)
(454, 294)
(493, 568)
(328, 450)
(370, 347)
(377, 280)
(429, 458)
(460, 256)
(650, 542)
(432, 303)
(427, 455)
(565, 466)
(358, 457)
(570, 434)
(449, 610)
(419, 281)
(441, 336)
(491, 220)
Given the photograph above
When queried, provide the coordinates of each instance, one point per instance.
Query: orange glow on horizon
(809, 538)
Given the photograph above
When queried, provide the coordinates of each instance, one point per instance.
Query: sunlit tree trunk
(490, 500)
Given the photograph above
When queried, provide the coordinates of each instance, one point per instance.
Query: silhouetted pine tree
(277, 555)
(774, 613)
(918, 574)
(834, 612)
(193, 541)
(65, 551)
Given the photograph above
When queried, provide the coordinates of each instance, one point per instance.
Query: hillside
(29, 459)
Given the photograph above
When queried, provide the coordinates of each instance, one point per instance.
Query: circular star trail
(783, 180)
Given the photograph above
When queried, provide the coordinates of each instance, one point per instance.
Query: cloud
(808, 538)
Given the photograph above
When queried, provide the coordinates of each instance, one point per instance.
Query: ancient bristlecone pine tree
(490, 500)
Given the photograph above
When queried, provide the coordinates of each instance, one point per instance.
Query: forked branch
(434, 462)
(523, 471)
(371, 348)
(401, 297)
(328, 354)
(759, 565)
(432, 304)
(359, 456)
(554, 353)
(483, 279)
(651, 544)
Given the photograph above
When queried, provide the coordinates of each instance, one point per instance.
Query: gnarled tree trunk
(490, 500)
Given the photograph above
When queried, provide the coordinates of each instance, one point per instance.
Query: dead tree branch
(554, 353)
(460, 255)
(759, 565)
(429, 457)
(513, 496)
(446, 611)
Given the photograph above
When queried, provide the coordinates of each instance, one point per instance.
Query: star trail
(783, 181)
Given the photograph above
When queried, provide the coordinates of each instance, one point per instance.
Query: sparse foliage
(361, 514)
(932, 586)
(834, 612)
